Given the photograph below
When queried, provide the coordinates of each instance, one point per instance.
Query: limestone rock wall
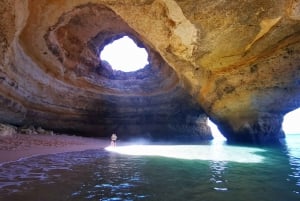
(236, 61)
(51, 76)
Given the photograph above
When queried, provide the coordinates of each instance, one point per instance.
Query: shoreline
(19, 146)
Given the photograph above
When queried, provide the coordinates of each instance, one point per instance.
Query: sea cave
(75, 125)
(235, 63)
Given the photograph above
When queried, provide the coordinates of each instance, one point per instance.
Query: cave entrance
(123, 54)
(217, 135)
(290, 124)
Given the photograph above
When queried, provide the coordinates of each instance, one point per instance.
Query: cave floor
(19, 146)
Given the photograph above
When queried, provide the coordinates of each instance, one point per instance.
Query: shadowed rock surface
(236, 61)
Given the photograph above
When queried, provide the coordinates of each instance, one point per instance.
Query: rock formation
(237, 62)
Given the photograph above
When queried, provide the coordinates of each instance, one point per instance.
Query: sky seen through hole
(124, 55)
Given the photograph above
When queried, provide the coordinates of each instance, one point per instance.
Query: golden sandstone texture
(237, 62)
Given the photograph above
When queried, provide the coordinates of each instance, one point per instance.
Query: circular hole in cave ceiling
(123, 54)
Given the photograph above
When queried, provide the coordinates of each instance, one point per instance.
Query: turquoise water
(209, 173)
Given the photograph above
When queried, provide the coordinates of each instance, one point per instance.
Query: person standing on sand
(113, 139)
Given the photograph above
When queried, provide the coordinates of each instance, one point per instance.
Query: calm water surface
(212, 173)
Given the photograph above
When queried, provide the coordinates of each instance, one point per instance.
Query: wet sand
(19, 146)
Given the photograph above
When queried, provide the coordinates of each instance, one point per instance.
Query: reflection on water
(72, 176)
(115, 181)
(218, 169)
(106, 176)
(293, 151)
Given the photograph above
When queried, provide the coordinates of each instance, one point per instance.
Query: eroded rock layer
(56, 80)
(236, 61)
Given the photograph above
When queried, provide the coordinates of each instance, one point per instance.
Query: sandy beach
(17, 146)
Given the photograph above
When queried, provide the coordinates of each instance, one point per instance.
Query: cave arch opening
(217, 135)
(290, 124)
(125, 55)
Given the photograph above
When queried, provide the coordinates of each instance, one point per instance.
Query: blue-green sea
(207, 172)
